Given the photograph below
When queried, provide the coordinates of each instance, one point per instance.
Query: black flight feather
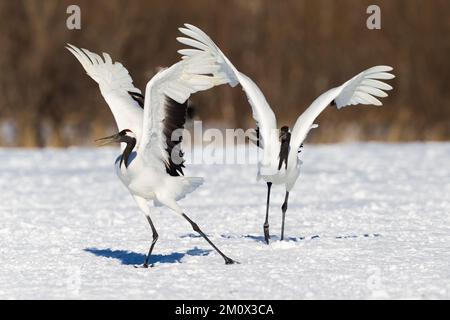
(175, 118)
(139, 98)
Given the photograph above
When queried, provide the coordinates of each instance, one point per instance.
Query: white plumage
(151, 163)
(364, 88)
(115, 85)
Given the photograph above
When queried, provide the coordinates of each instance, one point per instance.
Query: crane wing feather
(263, 114)
(166, 97)
(116, 87)
(364, 89)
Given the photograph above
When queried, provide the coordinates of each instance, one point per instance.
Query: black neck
(284, 150)
(131, 143)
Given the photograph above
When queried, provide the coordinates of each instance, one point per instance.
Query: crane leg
(284, 209)
(199, 231)
(155, 238)
(142, 203)
(266, 223)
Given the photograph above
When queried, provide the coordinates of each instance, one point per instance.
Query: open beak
(107, 140)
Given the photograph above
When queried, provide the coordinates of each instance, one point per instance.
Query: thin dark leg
(197, 229)
(155, 238)
(284, 209)
(266, 223)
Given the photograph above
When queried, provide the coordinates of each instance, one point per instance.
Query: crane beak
(107, 140)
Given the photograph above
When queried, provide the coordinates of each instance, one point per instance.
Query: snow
(365, 221)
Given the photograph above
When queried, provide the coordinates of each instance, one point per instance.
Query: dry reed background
(294, 50)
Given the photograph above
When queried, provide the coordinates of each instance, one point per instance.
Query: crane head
(125, 136)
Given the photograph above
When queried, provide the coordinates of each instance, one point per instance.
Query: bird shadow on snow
(260, 238)
(314, 237)
(134, 258)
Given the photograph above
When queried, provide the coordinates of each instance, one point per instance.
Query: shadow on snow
(315, 237)
(134, 258)
(260, 238)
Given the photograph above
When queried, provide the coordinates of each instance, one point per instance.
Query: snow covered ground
(365, 221)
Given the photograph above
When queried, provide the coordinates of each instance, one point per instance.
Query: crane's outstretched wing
(166, 97)
(116, 86)
(201, 44)
(361, 89)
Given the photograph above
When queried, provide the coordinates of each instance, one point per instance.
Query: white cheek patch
(131, 134)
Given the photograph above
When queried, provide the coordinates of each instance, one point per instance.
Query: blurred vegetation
(294, 50)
